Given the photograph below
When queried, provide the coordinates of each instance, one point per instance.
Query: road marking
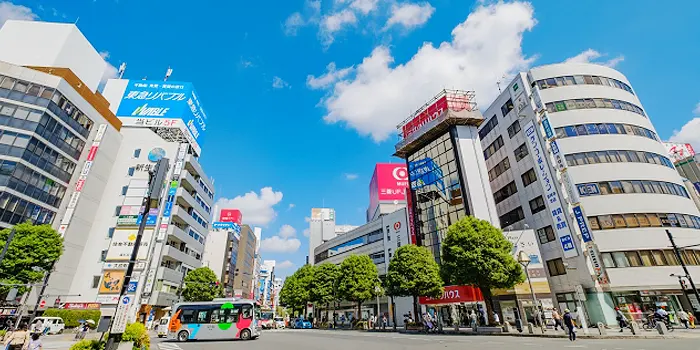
(168, 346)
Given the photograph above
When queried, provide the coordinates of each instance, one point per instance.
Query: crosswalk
(168, 346)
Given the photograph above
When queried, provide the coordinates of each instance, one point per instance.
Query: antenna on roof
(122, 69)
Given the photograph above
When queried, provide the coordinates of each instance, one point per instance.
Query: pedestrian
(621, 319)
(691, 320)
(38, 326)
(35, 343)
(496, 318)
(569, 323)
(472, 320)
(15, 340)
(384, 321)
(537, 317)
(557, 319)
(683, 316)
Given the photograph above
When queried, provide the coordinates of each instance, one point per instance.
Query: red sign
(91, 154)
(679, 151)
(425, 116)
(82, 306)
(79, 184)
(455, 294)
(42, 304)
(231, 215)
(411, 223)
(389, 183)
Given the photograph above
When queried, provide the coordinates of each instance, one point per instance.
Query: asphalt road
(350, 340)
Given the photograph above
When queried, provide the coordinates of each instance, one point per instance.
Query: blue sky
(302, 96)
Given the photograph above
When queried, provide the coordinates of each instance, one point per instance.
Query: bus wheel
(182, 336)
(245, 334)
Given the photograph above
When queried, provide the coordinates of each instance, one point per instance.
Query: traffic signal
(684, 284)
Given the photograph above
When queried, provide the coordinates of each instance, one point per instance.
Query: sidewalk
(64, 341)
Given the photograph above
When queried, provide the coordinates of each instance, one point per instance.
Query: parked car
(55, 325)
(163, 327)
(279, 323)
(301, 323)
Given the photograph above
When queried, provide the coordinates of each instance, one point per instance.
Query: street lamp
(524, 260)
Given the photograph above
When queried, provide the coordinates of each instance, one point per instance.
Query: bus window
(203, 316)
(215, 316)
(187, 316)
(247, 311)
(230, 315)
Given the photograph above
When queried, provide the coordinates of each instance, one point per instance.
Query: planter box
(125, 346)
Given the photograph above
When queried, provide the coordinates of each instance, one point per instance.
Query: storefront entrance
(638, 305)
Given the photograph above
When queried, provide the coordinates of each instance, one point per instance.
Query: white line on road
(168, 346)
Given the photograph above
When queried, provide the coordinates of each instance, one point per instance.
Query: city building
(572, 154)
(221, 247)
(159, 120)
(322, 228)
(58, 138)
(245, 281)
(266, 284)
(387, 189)
(378, 239)
(278, 282)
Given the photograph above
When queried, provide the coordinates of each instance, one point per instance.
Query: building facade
(245, 281)
(221, 252)
(266, 284)
(572, 154)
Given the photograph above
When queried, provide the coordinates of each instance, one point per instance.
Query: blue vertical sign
(547, 128)
(581, 221)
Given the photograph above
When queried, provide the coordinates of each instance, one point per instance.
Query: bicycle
(651, 322)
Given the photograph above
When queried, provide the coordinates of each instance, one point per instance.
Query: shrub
(2, 333)
(72, 317)
(138, 335)
(88, 345)
(360, 325)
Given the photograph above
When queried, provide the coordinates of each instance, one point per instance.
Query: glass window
(643, 220)
(647, 258)
(608, 260)
(633, 259)
(637, 185)
(659, 257)
(619, 221)
(631, 220)
(603, 157)
(654, 220)
(627, 186)
(606, 222)
(570, 131)
(593, 221)
(604, 188)
(546, 234)
(616, 187)
(620, 259)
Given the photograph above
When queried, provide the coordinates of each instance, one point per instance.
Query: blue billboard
(424, 172)
(148, 99)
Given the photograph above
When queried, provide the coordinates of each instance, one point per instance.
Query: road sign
(42, 304)
(119, 324)
(132, 287)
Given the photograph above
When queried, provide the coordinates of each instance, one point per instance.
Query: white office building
(572, 154)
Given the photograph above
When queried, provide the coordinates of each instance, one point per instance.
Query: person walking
(35, 343)
(384, 321)
(496, 318)
(691, 320)
(472, 320)
(621, 319)
(683, 316)
(557, 319)
(569, 323)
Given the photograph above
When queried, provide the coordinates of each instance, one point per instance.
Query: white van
(55, 325)
(163, 326)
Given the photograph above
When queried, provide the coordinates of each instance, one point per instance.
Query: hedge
(72, 317)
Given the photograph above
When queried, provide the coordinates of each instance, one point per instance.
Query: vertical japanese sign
(549, 187)
(172, 191)
(80, 183)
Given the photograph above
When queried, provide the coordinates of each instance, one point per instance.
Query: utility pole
(685, 269)
(156, 178)
(7, 244)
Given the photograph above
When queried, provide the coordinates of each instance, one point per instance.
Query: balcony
(192, 165)
(181, 192)
(183, 236)
(164, 299)
(181, 256)
(169, 275)
(187, 218)
(190, 180)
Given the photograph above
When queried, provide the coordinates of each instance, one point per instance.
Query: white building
(322, 228)
(605, 193)
(265, 283)
(59, 138)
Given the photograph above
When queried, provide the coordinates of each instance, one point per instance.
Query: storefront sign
(547, 128)
(122, 244)
(559, 159)
(549, 185)
(597, 263)
(571, 191)
(582, 224)
(107, 299)
(120, 317)
(455, 294)
(82, 306)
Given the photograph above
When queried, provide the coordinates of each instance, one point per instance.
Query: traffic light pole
(687, 273)
(155, 184)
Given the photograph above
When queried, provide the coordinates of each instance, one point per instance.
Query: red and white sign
(389, 183)
(455, 294)
(231, 215)
(446, 99)
(93, 152)
(82, 306)
(679, 151)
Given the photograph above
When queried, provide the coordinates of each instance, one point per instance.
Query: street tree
(413, 272)
(358, 280)
(295, 291)
(32, 252)
(476, 253)
(202, 285)
(324, 286)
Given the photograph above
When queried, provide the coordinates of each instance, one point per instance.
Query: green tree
(358, 280)
(476, 253)
(295, 291)
(202, 285)
(324, 286)
(32, 252)
(413, 272)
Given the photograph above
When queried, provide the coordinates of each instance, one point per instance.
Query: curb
(529, 335)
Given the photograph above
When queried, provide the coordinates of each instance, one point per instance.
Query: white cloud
(9, 11)
(293, 23)
(364, 6)
(349, 176)
(257, 209)
(590, 56)
(278, 83)
(104, 55)
(291, 206)
(333, 23)
(409, 15)
(307, 232)
(689, 133)
(332, 75)
(486, 46)
(285, 265)
(287, 231)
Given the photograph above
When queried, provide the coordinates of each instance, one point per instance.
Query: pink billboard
(231, 215)
(389, 183)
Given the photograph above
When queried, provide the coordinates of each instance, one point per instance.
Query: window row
(46, 158)
(647, 258)
(377, 258)
(31, 183)
(499, 169)
(196, 236)
(48, 97)
(582, 80)
(493, 147)
(202, 203)
(631, 186)
(598, 157)
(488, 126)
(14, 210)
(214, 314)
(511, 217)
(521, 152)
(603, 129)
(204, 187)
(31, 120)
(505, 192)
(631, 220)
(588, 103)
(514, 129)
(199, 219)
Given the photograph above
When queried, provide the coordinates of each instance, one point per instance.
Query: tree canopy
(358, 279)
(295, 291)
(324, 283)
(32, 252)
(476, 253)
(202, 285)
(413, 272)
